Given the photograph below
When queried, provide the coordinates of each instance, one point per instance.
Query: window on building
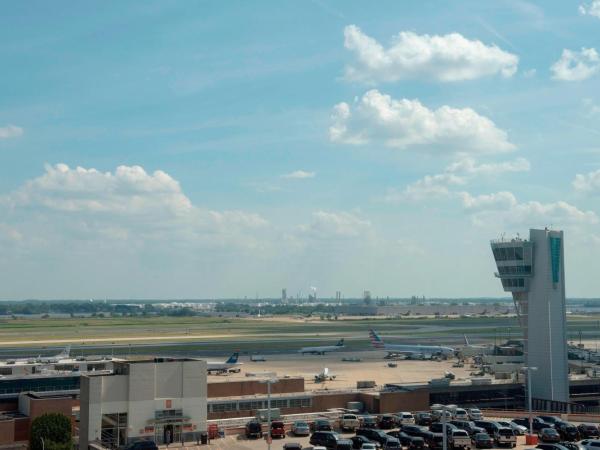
(5, 371)
(114, 429)
(222, 407)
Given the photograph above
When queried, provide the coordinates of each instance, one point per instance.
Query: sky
(208, 149)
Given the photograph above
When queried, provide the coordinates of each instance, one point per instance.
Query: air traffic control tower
(533, 271)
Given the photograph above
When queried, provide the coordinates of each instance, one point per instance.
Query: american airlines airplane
(410, 350)
(322, 349)
(231, 365)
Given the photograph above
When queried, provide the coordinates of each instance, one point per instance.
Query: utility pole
(268, 382)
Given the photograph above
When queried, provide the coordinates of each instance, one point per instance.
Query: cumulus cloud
(10, 131)
(128, 203)
(469, 166)
(589, 182)
(335, 225)
(450, 57)
(430, 186)
(503, 207)
(590, 9)
(403, 124)
(298, 175)
(576, 65)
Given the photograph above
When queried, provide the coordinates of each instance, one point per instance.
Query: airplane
(322, 349)
(231, 365)
(410, 350)
(469, 349)
(64, 354)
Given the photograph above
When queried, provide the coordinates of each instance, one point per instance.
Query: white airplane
(230, 365)
(410, 350)
(473, 349)
(64, 354)
(324, 375)
(322, 349)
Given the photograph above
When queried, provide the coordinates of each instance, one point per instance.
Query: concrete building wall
(391, 402)
(547, 340)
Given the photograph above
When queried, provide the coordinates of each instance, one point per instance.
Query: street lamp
(269, 382)
(529, 370)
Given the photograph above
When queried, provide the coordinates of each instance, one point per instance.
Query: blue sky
(235, 148)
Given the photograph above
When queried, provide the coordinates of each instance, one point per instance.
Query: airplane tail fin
(66, 352)
(466, 341)
(340, 343)
(376, 341)
(233, 358)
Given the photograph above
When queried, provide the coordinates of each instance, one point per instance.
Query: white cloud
(504, 208)
(299, 175)
(127, 204)
(402, 124)
(335, 225)
(589, 182)
(450, 57)
(430, 186)
(591, 9)
(10, 131)
(576, 66)
(469, 166)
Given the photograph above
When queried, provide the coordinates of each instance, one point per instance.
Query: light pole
(269, 382)
(528, 370)
(444, 429)
(43, 445)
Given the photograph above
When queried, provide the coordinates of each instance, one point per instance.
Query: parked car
(567, 431)
(549, 435)
(519, 430)
(387, 422)
(326, 439)
(587, 431)
(489, 426)
(359, 441)
(482, 440)
(423, 418)
(344, 444)
(573, 446)
(460, 414)
(551, 447)
(552, 420)
(468, 426)
(254, 430)
(412, 442)
(434, 441)
(415, 430)
(349, 422)
(537, 423)
(591, 444)
(438, 427)
(277, 429)
(459, 439)
(369, 422)
(505, 436)
(369, 446)
(392, 444)
(300, 428)
(321, 425)
(405, 418)
(379, 436)
(474, 414)
(292, 446)
(142, 445)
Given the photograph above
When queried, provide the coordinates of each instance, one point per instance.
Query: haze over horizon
(211, 150)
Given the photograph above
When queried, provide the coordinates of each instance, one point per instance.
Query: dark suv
(254, 430)
(324, 439)
(468, 426)
(321, 425)
(142, 445)
(587, 431)
(438, 427)
(567, 431)
(387, 422)
(373, 435)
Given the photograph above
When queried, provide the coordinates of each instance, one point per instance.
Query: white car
(591, 444)
(475, 414)
(519, 430)
(460, 414)
(405, 418)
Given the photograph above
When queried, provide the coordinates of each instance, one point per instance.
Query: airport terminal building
(162, 399)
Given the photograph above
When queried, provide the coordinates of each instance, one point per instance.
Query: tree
(55, 431)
